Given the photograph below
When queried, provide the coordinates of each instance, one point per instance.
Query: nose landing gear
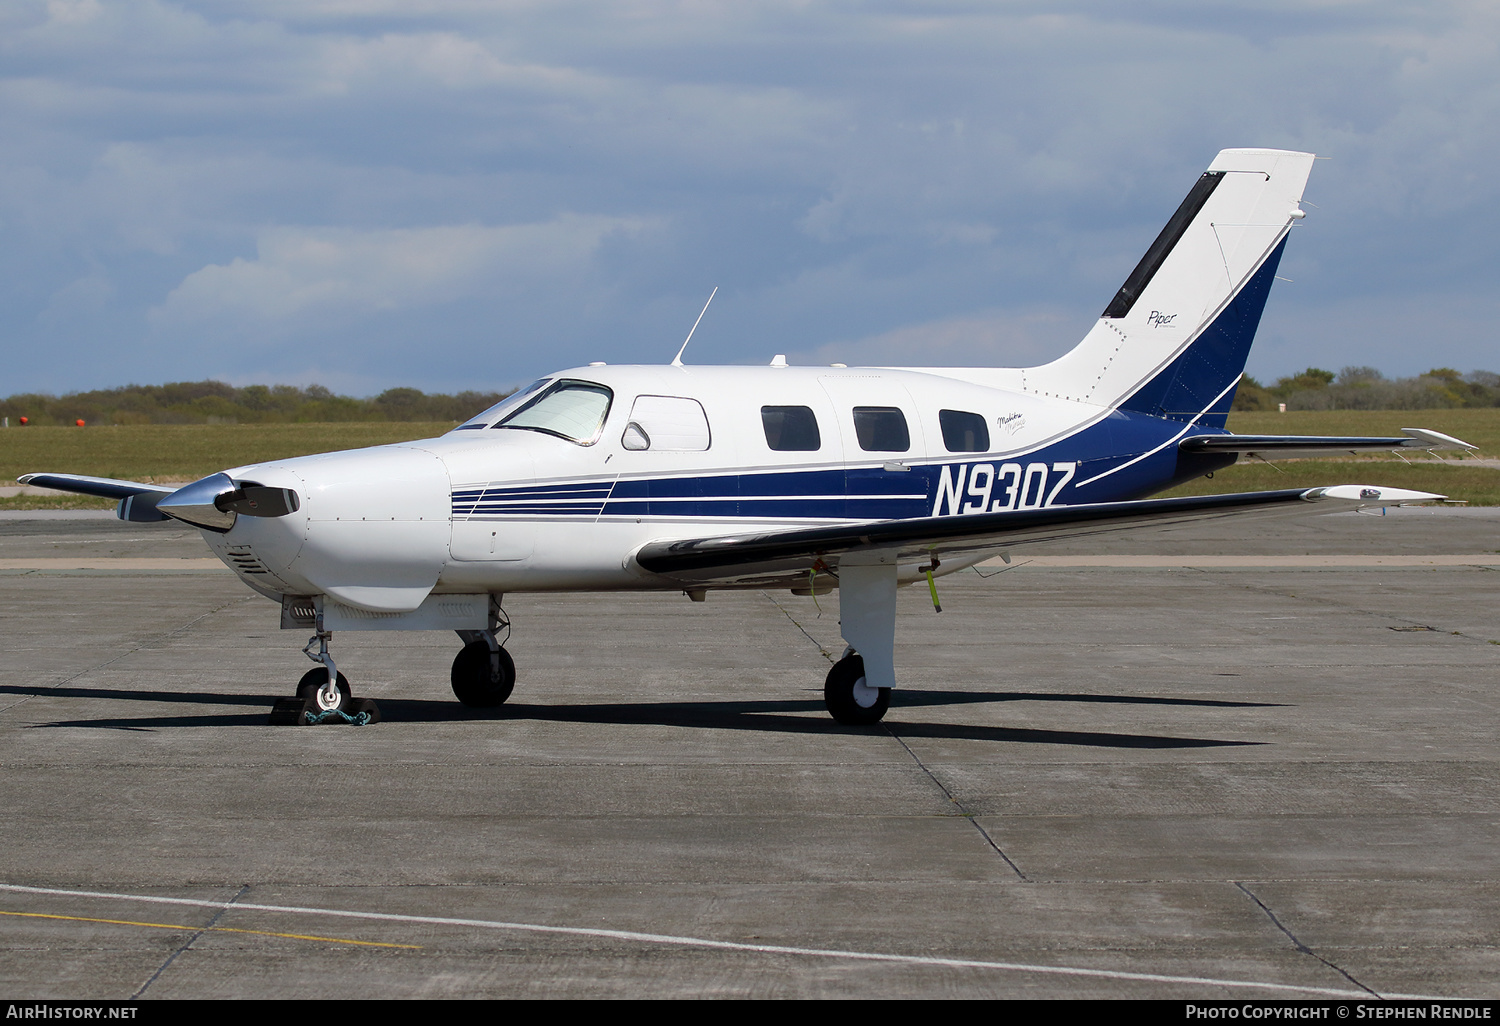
(323, 693)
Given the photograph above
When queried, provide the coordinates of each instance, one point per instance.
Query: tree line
(214, 402)
(1365, 388)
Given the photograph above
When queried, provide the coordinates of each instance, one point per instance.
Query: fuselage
(603, 459)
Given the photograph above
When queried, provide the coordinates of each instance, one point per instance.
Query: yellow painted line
(215, 929)
(1019, 557)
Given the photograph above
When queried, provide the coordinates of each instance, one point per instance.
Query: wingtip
(1436, 439)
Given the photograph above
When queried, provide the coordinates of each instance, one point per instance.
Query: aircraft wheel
(312, 687)
(849, 700)
(472, 682)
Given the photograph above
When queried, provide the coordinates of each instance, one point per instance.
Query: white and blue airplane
(690, 478)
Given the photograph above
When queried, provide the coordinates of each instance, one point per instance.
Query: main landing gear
(849, 698)
(858, 689)
(484, 674)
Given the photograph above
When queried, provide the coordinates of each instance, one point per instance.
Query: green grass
(1480, 427)
(186, 452)
(1479, 486)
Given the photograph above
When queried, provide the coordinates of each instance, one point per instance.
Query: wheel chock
(298, 712)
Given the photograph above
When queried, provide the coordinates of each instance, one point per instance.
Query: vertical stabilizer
(1174, 339)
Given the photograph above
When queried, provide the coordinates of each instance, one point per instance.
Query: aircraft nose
(377, 525)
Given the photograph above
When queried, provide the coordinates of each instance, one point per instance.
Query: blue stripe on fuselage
(1066, 472)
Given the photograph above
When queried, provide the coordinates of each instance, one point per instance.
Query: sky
(466, 194)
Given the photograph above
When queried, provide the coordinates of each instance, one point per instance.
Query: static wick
(932, 587)
(677, 360)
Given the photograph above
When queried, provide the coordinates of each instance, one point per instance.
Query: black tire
(838, 694)
(312, 680)
(472, 683)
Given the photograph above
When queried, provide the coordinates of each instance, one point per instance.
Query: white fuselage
(503, 509)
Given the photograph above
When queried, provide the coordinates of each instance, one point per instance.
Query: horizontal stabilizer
(772, 556)
(1290, 446)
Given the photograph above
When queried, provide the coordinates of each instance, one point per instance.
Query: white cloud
(841, 169)
(301, 272)
(994, 339)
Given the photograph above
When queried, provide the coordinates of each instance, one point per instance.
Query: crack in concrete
(962, 809)
(189, 942)
(822, 650)
(1301, 948)
(1261, 589)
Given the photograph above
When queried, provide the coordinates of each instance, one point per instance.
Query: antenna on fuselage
(677, 360)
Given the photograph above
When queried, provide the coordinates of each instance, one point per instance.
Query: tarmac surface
(1178, 778)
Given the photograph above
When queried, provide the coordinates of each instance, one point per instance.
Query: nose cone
(198, 503)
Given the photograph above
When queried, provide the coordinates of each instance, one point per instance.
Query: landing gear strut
(858, 689)
(849, 699)
(484, 674)
(324, 688)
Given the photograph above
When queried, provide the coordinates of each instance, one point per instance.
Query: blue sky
(452, 194)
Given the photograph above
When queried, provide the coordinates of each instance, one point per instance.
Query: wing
(1289, 446)
(771, 558)
(137, 500)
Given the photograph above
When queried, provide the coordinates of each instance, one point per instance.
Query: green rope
(311, 719)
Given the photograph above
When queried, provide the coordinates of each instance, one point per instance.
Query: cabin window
(666, 424)
(964, 432)
(881, 429)
(791, 428)
(505, 405)
(574, 410)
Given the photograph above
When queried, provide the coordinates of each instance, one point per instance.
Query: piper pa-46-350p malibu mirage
(808, 478)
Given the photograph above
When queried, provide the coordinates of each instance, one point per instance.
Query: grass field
(1479, 486)
(175, 452)
(189, 451)
(1480, 427)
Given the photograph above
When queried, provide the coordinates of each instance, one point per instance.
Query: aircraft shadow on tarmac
(772, 716)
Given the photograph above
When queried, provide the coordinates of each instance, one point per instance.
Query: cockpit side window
(881, 429)
(666, 423)
(964, 432)
(791, 428)
(574, 410)
(510, 402)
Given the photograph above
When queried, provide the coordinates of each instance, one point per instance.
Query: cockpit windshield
(505, 405)
(574, 410)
